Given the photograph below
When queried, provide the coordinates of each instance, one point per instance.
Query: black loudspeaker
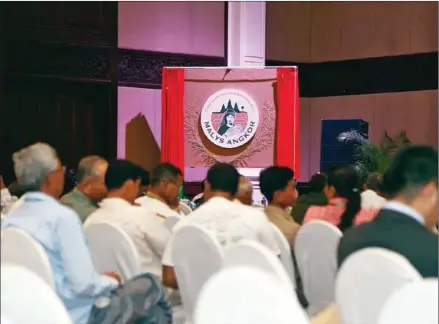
(332, 151)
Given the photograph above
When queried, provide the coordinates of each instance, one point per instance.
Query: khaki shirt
(282, 219)
(80, 203)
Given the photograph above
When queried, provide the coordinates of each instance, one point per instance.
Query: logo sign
(229, 118)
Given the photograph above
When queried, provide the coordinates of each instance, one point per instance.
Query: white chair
(315, 248)
(253, 254)
(416, 302)
(112, 249)
(18, 247)
(197, 256)
(246, 295)
(26, 298)
(366, 280)
(171, 221)
(286, 256)
(185, 209)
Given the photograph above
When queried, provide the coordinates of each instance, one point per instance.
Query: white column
(246, 34)
(246, 47)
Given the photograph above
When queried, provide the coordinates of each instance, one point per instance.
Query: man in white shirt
(229, 221)
(147, 231)
(370, 197)
(162, 196)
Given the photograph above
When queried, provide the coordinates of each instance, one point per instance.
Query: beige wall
(415, 112)
(330, 31)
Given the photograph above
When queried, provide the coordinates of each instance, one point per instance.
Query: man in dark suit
(405, 222)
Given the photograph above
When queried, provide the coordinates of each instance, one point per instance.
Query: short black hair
(374, 181)
(412, 168)
(120, 171)
(164, 171)
(317, 182)
(274, 178)
(223, 177)
(144, 177)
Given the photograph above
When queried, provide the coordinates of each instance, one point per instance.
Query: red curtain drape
(172, 144)
(288, 119)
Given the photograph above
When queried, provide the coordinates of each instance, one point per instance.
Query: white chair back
(315, 248)
(185, 209)
(18, 247)
(26, 298)
(366, 280)
(253, 254)
(246, 295)
(286, 256)
(112, 249)
(197, 256)
(171, 221)
(416, 302)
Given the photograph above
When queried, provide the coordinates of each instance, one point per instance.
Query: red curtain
(172, 144)
(288, 119)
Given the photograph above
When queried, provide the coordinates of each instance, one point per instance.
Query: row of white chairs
(194, 246)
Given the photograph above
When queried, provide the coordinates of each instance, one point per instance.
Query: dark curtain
(73, 117)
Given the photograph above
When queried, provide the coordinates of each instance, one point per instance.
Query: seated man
(149, 234)
(371, 197)
(162, 196)
(84, 198)
(279, 187)
(316, 196)
(89, 297)
(223, 217)
(245, 191)
(404, 224)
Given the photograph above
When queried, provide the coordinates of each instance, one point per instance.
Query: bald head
(245, 191)
(374, 181)
(91, 177)
(90, 166)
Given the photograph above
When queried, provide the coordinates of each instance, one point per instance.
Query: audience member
(244, 195)
(344, 207)
(316, 196)
(199, 199)
(90, 190)
(144, 182)
(6, 199)
(223, 217)
(59, 231)
(123, 179)
(162, 196)
(403, 224)
(371, 197)
(279, 187)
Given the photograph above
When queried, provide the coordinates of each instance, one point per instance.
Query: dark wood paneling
(143, 69)
(88, 22)
(366, 76)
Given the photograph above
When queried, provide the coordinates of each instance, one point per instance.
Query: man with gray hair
(90, 189)
(244, 195)
(371, 196)
(59, 231)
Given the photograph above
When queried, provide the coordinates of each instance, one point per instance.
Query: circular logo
(229, 118)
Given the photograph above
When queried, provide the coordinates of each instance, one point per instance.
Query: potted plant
(374, 157)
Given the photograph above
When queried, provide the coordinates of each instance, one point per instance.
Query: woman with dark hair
(344, 207)
(227, 122)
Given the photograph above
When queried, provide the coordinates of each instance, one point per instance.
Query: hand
(113, 275)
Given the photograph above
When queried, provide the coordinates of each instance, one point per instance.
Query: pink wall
(173, 27)
(134, 101)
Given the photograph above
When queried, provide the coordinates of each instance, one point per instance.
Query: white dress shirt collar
(404, 209)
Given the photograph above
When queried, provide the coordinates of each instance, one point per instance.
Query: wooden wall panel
(288, 32)
(423, 26)
(415, 112)
(349, 30)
